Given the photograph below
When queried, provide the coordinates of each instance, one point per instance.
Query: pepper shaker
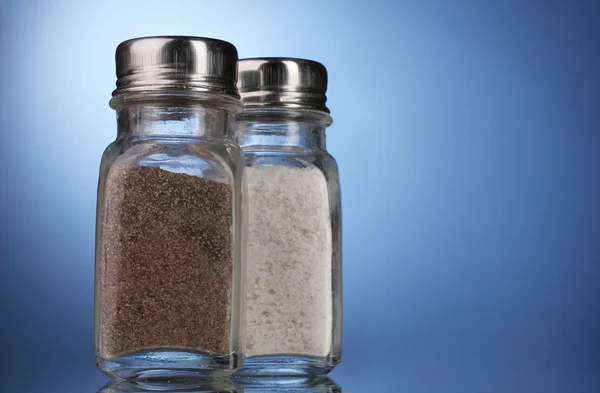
(169, 215)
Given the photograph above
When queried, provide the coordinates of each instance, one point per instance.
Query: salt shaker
(169, 225)
(293, 290)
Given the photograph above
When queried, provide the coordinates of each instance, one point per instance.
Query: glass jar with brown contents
(169, 226)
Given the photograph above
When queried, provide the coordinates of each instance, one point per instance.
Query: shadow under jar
(169, 226)
(293, 323)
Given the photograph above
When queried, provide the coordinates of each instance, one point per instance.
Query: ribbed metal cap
(272, 82)
(176, 63)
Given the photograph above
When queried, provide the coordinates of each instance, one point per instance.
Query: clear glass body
(293, 322)
(169, 240)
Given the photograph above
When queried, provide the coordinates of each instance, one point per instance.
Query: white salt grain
(289, 294)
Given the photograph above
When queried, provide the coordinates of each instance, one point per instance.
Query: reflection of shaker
(320, 384)
(293, 260)
(182, 386)
(169, 226)
(254, 385)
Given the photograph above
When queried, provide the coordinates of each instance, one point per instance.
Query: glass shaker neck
(276, 130)
(185, 118)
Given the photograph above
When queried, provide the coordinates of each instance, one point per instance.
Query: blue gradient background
(467, 135)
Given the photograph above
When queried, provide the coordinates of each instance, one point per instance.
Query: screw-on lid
(272, 82)
(176, 63)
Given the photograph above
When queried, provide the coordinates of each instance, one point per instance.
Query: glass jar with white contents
(293, 322)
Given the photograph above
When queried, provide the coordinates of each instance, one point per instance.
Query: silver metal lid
(171, 63)
(272, 82)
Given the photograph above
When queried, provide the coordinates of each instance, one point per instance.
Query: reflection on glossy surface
(300, 385)
(196, 386)
(255, 385)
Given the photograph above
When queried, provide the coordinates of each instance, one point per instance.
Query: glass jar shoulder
(213, 159)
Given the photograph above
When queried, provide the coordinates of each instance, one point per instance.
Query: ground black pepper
(165, 262)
